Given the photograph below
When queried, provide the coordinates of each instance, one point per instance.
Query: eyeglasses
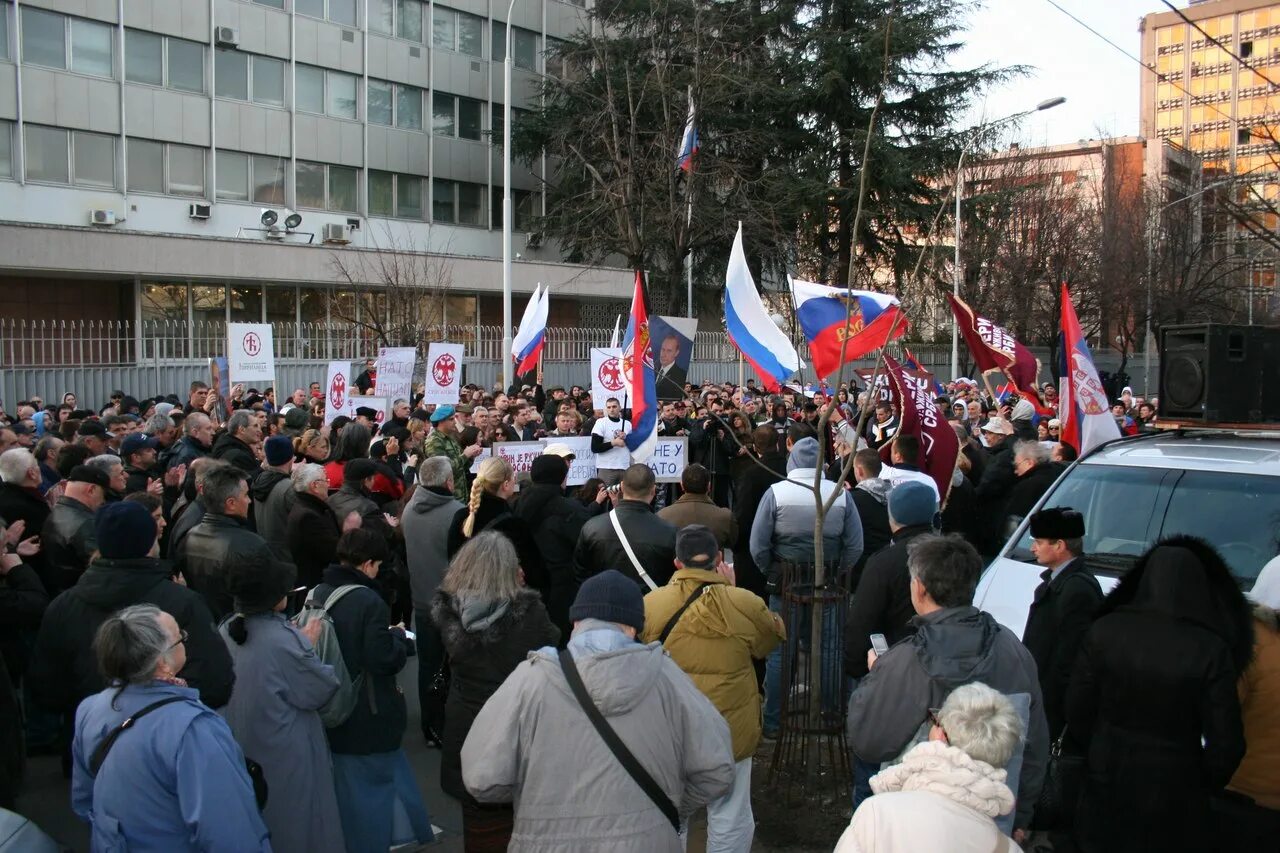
(182, 641)
(933, 718)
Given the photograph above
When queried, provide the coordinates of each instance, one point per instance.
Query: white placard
(583, 467)
(381, 404)
(606, 376)
(250, 353)
(519, 453)
(485, 453)
(395, 372)
(444, 373)
(337, 399)
(669, 458)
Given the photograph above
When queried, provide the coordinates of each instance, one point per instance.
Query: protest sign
(606, 376)
(444, 373)
(395, 372)
(583, 467)
(336, 399)
(250, 356)
(669, 458)
(485, 453)
(519, 453)
(381, 405)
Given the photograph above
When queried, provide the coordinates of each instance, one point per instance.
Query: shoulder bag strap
(619, 749)
(339, 594)
(100, 754)
(631, 555)
(671, 623)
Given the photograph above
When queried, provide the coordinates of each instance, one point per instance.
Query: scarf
(950, 772)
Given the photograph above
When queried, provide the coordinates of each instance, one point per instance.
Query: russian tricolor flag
(638, 378)
(688, 141)
(532, 332)
(822, 313)
(764, 346)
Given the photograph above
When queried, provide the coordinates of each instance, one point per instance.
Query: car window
(1238, 514)
(1117, 504)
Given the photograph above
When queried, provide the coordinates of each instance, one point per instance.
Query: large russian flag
(526, 346)
(1086, 417)
(769, 352)
(823, 312)
(638, 378)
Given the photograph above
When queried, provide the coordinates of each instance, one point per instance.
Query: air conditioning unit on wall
(336, 232)
(226, 37)
(98, 216)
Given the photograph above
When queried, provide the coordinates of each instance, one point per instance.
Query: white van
(1223, 486)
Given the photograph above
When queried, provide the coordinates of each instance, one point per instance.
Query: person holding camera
(714, 442)
(609, 443)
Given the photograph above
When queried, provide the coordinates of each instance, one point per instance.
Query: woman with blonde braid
(489, 509)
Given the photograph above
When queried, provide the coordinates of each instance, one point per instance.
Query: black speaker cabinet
(1215, 373)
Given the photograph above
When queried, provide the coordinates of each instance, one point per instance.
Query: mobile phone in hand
(879, 645)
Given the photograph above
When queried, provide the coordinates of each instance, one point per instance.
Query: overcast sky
(1099, 83)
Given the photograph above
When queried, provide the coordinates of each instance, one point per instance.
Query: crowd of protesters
(205, 604)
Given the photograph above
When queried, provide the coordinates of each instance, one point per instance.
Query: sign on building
(250, 354)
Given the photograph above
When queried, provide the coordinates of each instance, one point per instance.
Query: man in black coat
(196, 442)
(652, 540)
(236, 444)
(64, 669)
(882, 600)
(221, 538)
(313, 529)
(1063, 607)
(68, 537)
(998, 479)
(21, 501)
(1036, 472)
(751, 486)
(871, 498)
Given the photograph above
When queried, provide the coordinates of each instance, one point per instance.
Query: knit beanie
(549, 470)
(912, 503)
(278, 449)
(125, 530)
(609, 596)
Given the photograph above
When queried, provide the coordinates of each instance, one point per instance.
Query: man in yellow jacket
(712, 630)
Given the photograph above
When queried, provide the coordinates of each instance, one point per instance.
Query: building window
(409, 107)
(394, 104)
(164, 302)
(325, 92)
(94, 159)
(268, 179)
(495, 121)
(308, 92)
(4, 31)
(46, 153)
(244, 177)
(159, 61)
(395, 195)
(6, 147)
(525, 54)
(455, 116)
(155, 167)
(327, 187)
(442, 118)
(469, 119)
(401, 18)
(454, 30)
(274, 4)
(470, 204)
(341, 102)
(378, 102)
(527, 205)
(339, 11)
(238, 75)
(457, 201)
(57, 41)
(1242, 136)
(443, 208)
(91, 161)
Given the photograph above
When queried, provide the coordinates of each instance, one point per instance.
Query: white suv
(1223, 486)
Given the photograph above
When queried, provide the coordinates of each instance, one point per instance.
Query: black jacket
(495, 514)
(652, 539)
(1028, 489)
(882, 601)
(190, 515)
(23, 600)
(68, 541)
(1060, 616)
(872, 503)
(992, 495)
(273, 496)
(1153, 694)
(479, 661)
(235, 451)
(369, 647)
(21, 504)
(64, 669)
(751, 486)
(555, 523)
(313, 538)
(212, 545)
(184, 451)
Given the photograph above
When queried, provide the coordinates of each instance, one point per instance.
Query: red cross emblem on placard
(252, 344)
(610, 375)
(443, 370)
(338, 391)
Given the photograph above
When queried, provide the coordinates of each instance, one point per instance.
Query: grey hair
(487, 566)
(104, 462)
(47, 447)
(15, 463)
(193, 422)
(130, 643)
(1032, 451)
(981, 721)
(157, 424)
(304, 475)
(203, 466)
(239, 419)
(947, 567)
(435, 471)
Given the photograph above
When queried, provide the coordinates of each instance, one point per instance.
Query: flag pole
(689, 259)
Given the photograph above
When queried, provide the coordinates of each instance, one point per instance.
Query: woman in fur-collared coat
(1153, 696)
(489, 622)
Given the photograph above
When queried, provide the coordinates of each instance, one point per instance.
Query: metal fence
(164, 356)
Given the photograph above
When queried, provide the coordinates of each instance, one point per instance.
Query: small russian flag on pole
(531, 333)
(688, 141)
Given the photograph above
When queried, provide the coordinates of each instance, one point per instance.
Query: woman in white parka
(947, 791)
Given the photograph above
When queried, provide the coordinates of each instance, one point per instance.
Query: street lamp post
(957, 273)
(506, 203)
(1151, 255)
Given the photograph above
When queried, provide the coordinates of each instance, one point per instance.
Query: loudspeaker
(1215, 373)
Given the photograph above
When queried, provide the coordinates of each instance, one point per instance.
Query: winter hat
(549, 469)
(804, 454)
(359, 470)
(164, 408)
(440, 413)
(1059, 522)
(125, 530)
(296, 418)
(89, 474)
(258, 586)
(697, 547)
(609, 596)
(1023, 411)
(278, 449)
(912, 503)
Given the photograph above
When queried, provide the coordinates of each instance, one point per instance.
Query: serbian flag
(751, 329)
(921, 418)
(823, 312)
(532, 332)
(688, 141)
(994, 348)
(1086, 417)
(910, 362)
(638, 378)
